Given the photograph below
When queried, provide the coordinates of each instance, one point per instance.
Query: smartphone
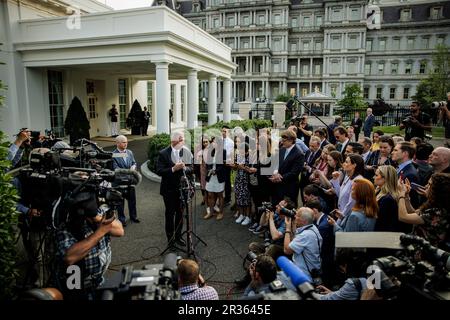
(332, 213)
(416, 186)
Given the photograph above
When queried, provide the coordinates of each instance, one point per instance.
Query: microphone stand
(312, 112)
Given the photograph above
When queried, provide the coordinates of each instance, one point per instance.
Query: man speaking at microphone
(173, 164)
(124, 159)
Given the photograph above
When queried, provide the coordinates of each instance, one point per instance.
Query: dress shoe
(180, 242)
(219, 216)
(136, 220)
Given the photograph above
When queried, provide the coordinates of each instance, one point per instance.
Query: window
(172, 97)
(408, 68)
(90, 87)
(276, 66)
(379, 93)
(245, 20)
(319, 21)
(277, 19)
(423, 67)
(355, 13)
(336, 14)
(277, 45)
(216, 23)
(367, 68)
(123, 102)
(436, 13)
(92, 107)
(366, 92)
(353, 42)
(369, 45)
(317, 69)
(183, 101)
(382, 45)
(150, 98)
(335, 66)
(440, 39)
(260, 42)
(294, 22)
(405, 93)
(293, 46)
(410, 43)
(405, 15)
(56, 102)
(245, 43)
(230, 42)
(306, 21)
(335, 43)
(306, 45)
(352, 66)
(396, 44)
(231, 22)
(333, 88)
(305, 69)
(196, 8)
(318, 45)
(381, 68)
(261, 19)
(293, 70)
(392, 93)
(394, 67)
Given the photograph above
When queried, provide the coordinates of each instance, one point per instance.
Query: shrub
(76, 123)
(203, 117)
(283, 97)
(156, 143)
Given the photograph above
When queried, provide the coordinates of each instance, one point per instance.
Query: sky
(127, 4)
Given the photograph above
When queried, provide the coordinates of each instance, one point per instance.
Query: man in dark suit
(322, 134)
(341, 135)
(124, 159)
(173, 162)
(328, 241)
(290, 164)
(357, 125)
(368, 123)
(311, 156)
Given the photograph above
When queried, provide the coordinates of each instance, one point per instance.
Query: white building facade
(294, 46)
(56, 50)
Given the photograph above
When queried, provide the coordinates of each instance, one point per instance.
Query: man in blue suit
(124, 159)
(368, 123)
(328, 241)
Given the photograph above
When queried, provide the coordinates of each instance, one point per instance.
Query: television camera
(438, 104)
(153, 282)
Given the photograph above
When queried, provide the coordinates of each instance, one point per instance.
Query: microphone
(135, 176)
(299, 279)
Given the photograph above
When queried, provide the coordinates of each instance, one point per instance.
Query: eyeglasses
(284, 137)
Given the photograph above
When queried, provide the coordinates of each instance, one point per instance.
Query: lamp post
(257, 108)
(204, 103)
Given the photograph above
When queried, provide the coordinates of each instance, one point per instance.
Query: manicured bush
(76, 123)
(155, 144)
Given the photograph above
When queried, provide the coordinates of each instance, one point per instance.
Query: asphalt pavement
(227, 242)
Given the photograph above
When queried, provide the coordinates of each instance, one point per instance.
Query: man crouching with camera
(83, 248)
(416, 123)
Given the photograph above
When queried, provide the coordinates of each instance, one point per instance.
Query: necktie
(286, 154)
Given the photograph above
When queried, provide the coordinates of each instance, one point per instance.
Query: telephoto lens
(287, 212)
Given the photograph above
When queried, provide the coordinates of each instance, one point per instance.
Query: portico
(153, 55)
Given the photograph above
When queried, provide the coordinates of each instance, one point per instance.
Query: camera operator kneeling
(85, 242)
(263, 271)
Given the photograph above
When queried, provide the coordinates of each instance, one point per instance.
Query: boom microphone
(299, 279)
(134, 175)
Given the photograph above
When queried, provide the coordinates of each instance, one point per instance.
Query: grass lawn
(437, 132)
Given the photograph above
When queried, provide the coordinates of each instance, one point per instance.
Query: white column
(212, 100)
(177, 104)
(226, 100)
(163, 97)
(192, 105)
(310, 67)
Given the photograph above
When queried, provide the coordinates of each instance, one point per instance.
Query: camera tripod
(187, 192)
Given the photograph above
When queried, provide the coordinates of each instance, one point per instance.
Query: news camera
(419, 271)
(438, 104)
(86, 154)
(153, 282)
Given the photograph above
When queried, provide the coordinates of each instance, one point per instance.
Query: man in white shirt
(228, 145)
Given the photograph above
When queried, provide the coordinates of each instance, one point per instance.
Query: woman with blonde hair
(387, 193)
(365, 210)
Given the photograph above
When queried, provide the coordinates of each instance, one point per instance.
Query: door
(93, 115)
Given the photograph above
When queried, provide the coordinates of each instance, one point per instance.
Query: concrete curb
(149, 174)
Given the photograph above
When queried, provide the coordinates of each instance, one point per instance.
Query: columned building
(295, 46)
(106, 57)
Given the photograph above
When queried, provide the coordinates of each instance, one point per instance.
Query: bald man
(440, 160)
(368, 123)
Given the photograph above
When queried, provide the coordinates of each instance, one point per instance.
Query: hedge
(162, 140)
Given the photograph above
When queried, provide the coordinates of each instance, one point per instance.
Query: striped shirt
(194, 292)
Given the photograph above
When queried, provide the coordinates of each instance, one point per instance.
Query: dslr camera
(265, 206)
(288, 212)
(408, 120)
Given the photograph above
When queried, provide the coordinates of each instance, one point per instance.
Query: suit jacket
(327, 232)
(125, 162)
(357, 124)
(368, 125)
(310, 160)
(410, 172)
(170, 181)
(341, 148)
(289, 169)
(324, 143)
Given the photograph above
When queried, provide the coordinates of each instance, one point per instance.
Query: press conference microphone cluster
(300, 280)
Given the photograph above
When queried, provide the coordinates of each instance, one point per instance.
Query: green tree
(437, 84)
(353, 98)
(8, 219)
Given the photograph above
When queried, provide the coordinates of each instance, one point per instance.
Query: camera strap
(318, 243)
